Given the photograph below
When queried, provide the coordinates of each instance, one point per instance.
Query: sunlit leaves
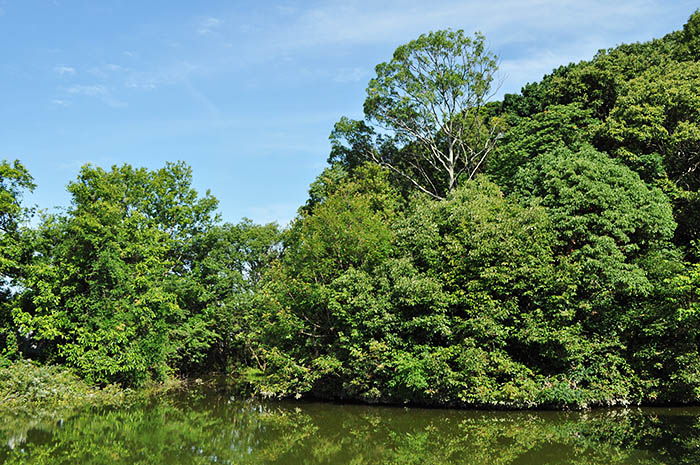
(98, 293)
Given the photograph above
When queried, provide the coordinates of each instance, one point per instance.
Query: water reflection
(205, 428)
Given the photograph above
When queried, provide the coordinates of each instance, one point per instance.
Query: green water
(200, 427)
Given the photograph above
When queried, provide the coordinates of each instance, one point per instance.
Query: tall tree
(101, 293)
(428, 102)
(14, 181)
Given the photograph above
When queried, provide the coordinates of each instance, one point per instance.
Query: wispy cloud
(96, 91)
(104, 71)
(59, 102)
(149, 80)
(64, 70)
(208, 26)
(88, 91)
(113, 67)
(346, 23)
(547, 29)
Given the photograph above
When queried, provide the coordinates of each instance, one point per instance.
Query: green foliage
(689, 40)
(595, 84)
(349, 228)
(348, 232)
(613, 232)
(592, 196)
(14, 181)
(659, 115)
(226, 272)
(530, 137)
(642, 101)
(510, 320)
(655, 129)
(606, 219)
(468, 306)
(351, 141)
(41, 393)
(429, 104)
(529, 101)
(99, 294)
(670, 356)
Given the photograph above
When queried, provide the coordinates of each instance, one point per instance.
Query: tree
(227, 271)
(609, 226)
(103, 291)
(659, 114)
(14, 180)
(342, 236)
(428, 103)
(689, 43)
(535, 135)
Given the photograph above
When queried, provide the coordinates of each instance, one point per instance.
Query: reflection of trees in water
(670, 435)
(200, 429)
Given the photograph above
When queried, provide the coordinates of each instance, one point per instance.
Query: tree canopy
(428, 103)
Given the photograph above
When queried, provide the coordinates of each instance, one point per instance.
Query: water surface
(202, 427)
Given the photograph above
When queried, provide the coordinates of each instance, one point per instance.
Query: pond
(200, 426)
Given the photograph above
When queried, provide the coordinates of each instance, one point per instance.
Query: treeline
(543, 250)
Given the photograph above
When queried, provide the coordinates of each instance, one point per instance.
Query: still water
(203, 427)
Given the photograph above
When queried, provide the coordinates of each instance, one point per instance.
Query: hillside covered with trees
(542, 250)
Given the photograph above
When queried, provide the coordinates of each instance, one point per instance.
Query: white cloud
(59, 102)
(64, 70)
(96, 91)
(149, 80)
(113, 67)
(105, 71)
(347, 23)
(208, 26)
(88, 91)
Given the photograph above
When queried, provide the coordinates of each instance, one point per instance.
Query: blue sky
(247, 92)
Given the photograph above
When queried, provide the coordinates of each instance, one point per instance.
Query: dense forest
(542, 250)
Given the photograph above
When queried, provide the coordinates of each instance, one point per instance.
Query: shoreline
(28, 389)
